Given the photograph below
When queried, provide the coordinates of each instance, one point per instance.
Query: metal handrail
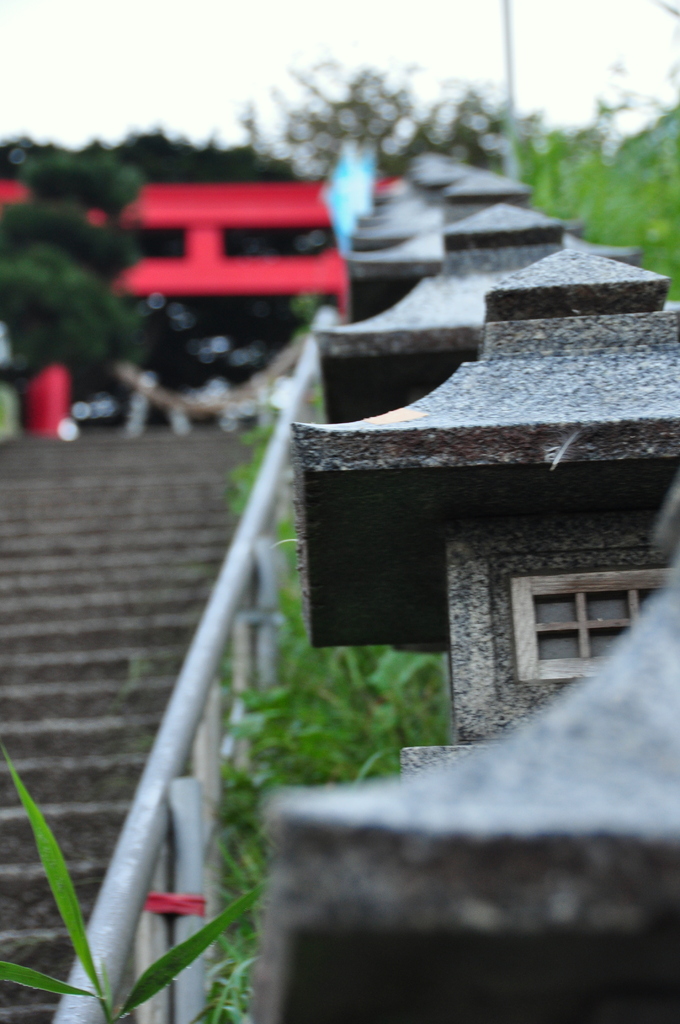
(114, 920)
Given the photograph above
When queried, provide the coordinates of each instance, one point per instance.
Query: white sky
(71, 70)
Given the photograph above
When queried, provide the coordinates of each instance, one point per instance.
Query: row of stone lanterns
(495, 501)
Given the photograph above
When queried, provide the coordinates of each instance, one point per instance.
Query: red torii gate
(203, 212)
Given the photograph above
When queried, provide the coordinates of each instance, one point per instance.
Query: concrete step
(123, 523)
(117, 463)
(75, 489)
(76, 561)
(101, 579)
(84, 831)
(56, 634)
(84, 778)
(165, 492)
(90, 634)
(35, 701)
(86, 666)
(160, 495)
(66, 737)
(133, 600)
(42, 1013)
(108, 548)
(25, 894)
(44, 949)
(113, 500)
(107, 540)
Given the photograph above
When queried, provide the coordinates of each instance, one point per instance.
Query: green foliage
(63, 227)
(157, 977)
(37, 980)
(96, 181)
(242, 478)
(57, 311)
(626, 193)
(9, 411)
(337, 715)
(159, 158)
(162, 158)
(164, 971)
(58, 877)
(56, 267)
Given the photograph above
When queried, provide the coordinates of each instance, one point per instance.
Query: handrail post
(186, 812)
(151, 942)
(267, 607)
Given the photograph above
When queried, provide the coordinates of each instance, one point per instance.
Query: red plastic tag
(180, 903)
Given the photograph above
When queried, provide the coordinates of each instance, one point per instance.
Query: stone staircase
(108, 547)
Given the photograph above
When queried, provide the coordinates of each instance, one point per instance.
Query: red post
(48, 401)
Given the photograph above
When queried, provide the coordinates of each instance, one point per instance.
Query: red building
(224, 260)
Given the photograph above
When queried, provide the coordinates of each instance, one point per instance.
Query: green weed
(157, 977)
(337, 715)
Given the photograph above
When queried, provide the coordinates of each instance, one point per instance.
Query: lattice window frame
(524, 589)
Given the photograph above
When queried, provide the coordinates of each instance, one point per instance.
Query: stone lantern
(506, 516)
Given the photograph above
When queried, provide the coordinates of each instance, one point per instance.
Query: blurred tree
(57, 311)
(164, 159)
(381, 110)
(59, 256)
(161, 158)
(90, 180)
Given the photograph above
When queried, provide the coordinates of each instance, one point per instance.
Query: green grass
(337, 715)
(627, 194)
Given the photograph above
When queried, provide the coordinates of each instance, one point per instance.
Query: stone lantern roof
(483, 188)
(440, 317)
(420, 256)
(434, 171)
(394, 222)
(598, 384)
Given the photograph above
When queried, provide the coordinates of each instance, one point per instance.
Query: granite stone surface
(415, 760)
(440, 312)
(544, 870)
(579, 335)
(475, 192)
(424, 256)
(407, 215)
(576, 284)
(498, 261)
(512, 411)
(623, 253)
(420, 256)
(433, 171)
(483, 555)
(500, 226)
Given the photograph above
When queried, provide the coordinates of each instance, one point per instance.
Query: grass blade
(34, 979)
(58, 878)
(173, 962)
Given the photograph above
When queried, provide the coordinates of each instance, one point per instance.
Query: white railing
(190, 732)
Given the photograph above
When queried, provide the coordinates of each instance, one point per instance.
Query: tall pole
(510, 163)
